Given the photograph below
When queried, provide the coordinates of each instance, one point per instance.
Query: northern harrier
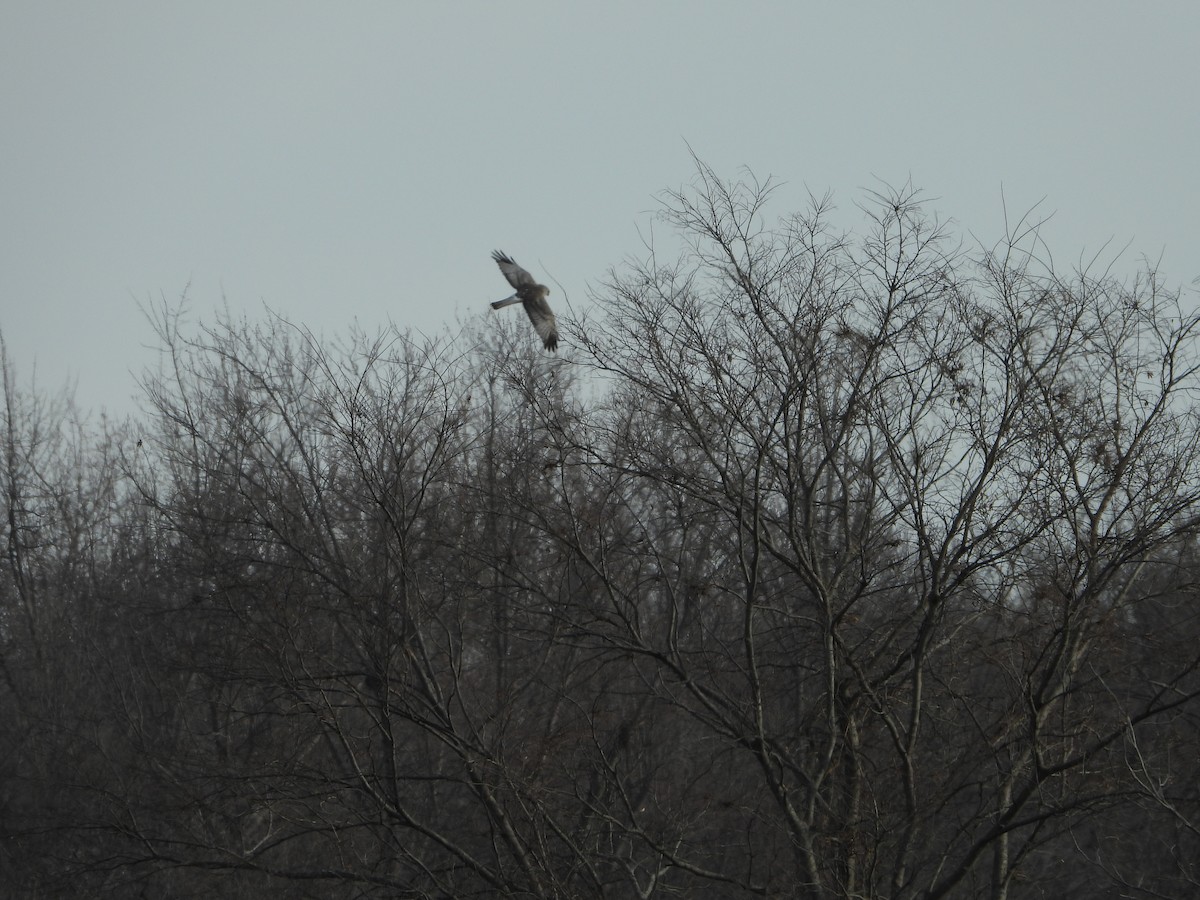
(532, 296)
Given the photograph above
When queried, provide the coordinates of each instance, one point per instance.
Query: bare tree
(828, 565)
(938, 483)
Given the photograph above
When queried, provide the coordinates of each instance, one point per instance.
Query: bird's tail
(507, 301)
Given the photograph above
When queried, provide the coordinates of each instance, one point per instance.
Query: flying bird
(532, 296)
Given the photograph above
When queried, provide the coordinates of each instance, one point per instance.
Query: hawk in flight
(532, 296)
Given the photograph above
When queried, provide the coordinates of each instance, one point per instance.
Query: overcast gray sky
(359, 161)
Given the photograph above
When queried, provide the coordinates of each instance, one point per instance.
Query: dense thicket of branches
(819, 566)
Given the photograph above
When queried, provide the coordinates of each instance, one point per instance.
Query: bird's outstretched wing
(543, 322)
(516, 276)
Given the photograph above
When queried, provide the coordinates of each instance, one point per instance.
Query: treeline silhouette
(818, 565)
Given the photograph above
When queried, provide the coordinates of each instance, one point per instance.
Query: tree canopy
(818, 565)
